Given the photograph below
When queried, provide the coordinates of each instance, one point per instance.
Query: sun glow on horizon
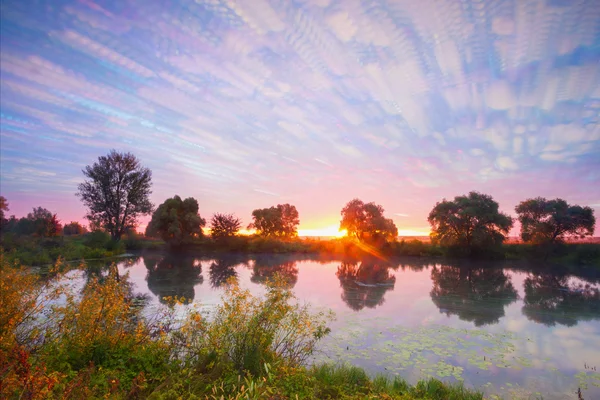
(329, 231)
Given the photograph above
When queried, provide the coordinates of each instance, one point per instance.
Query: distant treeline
(117, 187)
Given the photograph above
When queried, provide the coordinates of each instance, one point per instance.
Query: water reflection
(476, 295)
(551, 300)
(224, 268)
(173, 276)
(265, 267)
(402, 306)
(364, 284)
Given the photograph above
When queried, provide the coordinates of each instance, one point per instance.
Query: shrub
(248, 331)
(97, 239)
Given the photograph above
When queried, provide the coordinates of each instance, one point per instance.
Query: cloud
(306, 100)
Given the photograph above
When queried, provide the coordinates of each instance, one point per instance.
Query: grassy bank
(38, 251)
(95, 343)
(33, 251)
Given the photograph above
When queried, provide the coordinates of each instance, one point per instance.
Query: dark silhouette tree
(281, 221)
(224, 226)
(73, 228)
(176, 221)
(116, 192)
(365, 285)
(469, 223)
(366, 222)
(3, 210)
(478, 295)
(40, 222)
(551, 299)
(171, 275)
(550, 221)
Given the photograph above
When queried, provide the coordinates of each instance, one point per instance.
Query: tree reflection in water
(365, 284)
(265, 267)
(223, 268)
(172, 275)
(478, 295)
(551, 299)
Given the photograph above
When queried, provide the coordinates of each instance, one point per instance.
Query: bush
(248, 331)
(97, 239)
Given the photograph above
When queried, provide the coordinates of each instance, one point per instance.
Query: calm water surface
(496, 326)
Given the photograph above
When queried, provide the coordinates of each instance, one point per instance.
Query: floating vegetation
(487, 361)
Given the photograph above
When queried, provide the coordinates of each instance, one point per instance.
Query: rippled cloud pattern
(247, 103)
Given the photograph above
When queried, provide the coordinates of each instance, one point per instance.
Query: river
(502, 327)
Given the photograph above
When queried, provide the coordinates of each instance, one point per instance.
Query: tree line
(116, 192)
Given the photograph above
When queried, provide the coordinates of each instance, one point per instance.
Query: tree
(116, 192)
(177, 221)
(3, 208)
(73, 228)
(279, 221)
(223, 226)
(469, 223)
(550, 221)
(40, 222)
(366, 222)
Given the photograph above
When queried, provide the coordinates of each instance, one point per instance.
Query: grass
(34, 251)
(57, 342)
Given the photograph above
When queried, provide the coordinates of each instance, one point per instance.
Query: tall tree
(116, 192)
(279, 221)
(366, 221)
(470, 222)
(223, 226)
(177, 221)
(550, 221)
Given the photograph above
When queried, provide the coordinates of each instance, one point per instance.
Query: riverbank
(95, 343)
(40, 251)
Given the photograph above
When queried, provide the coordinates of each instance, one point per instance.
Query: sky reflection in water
(506, 331)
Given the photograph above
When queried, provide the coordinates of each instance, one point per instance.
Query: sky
(251, 103)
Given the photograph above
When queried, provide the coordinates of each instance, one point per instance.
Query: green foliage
(470, 224)
(97, 239)
(548, 221)
(30, 250)
(177, 221)
(73, 228)
(116, 192)
(280, 221)
(367, 223)
(248, 332)
(40, 223)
